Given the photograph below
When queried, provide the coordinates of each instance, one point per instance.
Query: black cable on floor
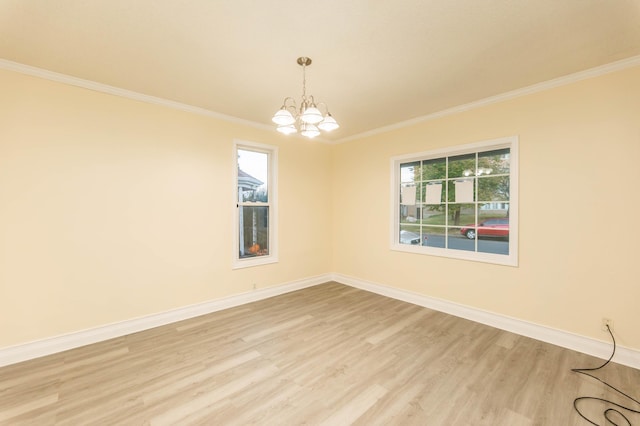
(609, 411)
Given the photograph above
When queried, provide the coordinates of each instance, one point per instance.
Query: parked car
(408, 237)
(494, 228)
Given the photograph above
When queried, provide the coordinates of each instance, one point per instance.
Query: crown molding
(528, 90)
(116, 91)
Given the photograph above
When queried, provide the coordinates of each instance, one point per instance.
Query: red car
(495, 228)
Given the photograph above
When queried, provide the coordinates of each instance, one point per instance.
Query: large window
(255, 204)
(459, 202)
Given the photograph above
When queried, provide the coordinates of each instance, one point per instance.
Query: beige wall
(579, 205)
(111, 209)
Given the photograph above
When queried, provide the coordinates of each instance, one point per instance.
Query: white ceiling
(375, 62)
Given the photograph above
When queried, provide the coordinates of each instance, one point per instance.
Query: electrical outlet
(607, 322)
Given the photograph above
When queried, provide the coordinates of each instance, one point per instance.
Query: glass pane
(433, 236)
(409, 235)
(493, 188)
(410, 172)
(494, 162)
(458, 240)
(434, 169)
(433, 193)
(493, 210)
(462, 165)
(461, 214)
(461, 190)
(493, 246)
(491, 224)
(254, 231)
(253, 176)
(434, 215)
(496, 227)
(409, 194)
(409, 214)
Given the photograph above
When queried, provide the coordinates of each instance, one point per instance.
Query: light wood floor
(326, 355)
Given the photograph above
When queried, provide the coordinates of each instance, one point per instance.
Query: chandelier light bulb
(282, 117)
(309, 130)
(287, 129)
(328, 124)
(311, 115)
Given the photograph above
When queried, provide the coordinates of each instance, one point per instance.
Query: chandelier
(308, 119)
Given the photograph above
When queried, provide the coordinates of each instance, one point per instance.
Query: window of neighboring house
(460, 202)
(255, 204)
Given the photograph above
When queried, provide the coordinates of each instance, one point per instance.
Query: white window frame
(510, 259)
(272, 204)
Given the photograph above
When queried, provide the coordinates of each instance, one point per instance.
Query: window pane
(434, 215)
(433, 236)
(409, 214)
(254, 231)
(410, 235)
(461, 214)
(433, 193)
(494, 162)
(462, 165)
(493, 188)
(461, 190)
(253, 176)
(410, 172)
(434, 169)
(495, 227)
(493, 210)
(496, 246)
(456, 240)
(409, 194)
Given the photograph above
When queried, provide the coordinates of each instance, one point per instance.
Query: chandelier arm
(291, 106)
(288, 98)
(312, 101)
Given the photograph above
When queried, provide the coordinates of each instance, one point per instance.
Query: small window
(459, 202)
(255, 204)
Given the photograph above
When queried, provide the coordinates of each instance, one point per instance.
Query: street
(460, 242)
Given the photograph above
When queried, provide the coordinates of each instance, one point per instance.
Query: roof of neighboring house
(246, 180)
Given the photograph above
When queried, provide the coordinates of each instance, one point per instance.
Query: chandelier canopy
(308, 119)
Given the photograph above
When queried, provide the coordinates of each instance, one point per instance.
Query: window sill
(254, 261)
(496, 259)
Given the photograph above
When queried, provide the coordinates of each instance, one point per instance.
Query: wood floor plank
(328, 354)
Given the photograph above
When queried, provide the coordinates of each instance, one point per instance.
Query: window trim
(510, 259)
(272, 182)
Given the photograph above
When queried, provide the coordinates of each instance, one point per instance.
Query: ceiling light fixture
(308, 119)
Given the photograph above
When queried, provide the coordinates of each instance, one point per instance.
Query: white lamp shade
(309, 130)
(287, 129)
(311, 115)
(283, 118)
(328, 124)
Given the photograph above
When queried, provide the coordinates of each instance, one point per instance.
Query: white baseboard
(39, 348)
(48, 346)
(624, 356)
